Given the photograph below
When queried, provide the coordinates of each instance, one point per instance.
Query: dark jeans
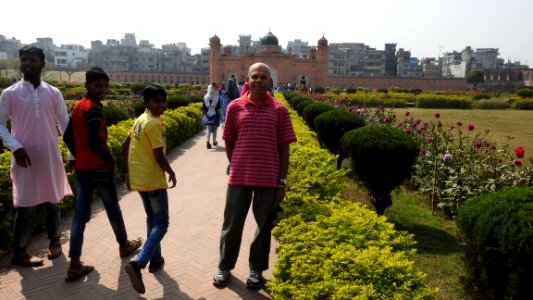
(156, 208)
(238, 201)
(103, 181)
(23, 221)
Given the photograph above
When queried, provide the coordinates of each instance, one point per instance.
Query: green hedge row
(180, 124)
(498, 238)
(332, 249)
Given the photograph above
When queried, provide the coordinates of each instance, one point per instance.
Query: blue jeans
(156, 208)
(103, 181)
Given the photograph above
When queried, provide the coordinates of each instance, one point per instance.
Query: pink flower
(437, 115)
(417, 121)
(407, 113)
(517, 162)
(422, 152)
(471, 127)
(459, 123)
(447, 157)
(519, 152)
(429, 138)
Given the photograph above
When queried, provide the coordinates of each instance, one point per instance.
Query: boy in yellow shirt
(145, 166)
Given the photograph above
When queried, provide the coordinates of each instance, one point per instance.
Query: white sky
(426, 27)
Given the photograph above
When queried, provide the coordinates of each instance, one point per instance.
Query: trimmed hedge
(332, 249)
(332, 125)
(525, 104)
(382, 158)
(497, 230)
(313, 110)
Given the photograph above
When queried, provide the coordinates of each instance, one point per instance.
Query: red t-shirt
(257, 130)
(83, 112)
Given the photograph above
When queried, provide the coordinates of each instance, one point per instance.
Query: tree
(474, 77)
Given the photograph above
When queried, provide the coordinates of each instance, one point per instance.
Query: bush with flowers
(455, 163)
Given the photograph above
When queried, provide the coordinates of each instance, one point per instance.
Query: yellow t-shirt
(146, 134)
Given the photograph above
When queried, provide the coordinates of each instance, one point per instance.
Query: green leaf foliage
(330, 249)
(497, 229)
(313, 110)
(382, 158)
(332, 125)
(301, 106)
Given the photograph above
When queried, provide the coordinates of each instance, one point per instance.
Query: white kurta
(35, 115)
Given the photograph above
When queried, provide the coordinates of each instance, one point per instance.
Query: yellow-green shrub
(330, 249)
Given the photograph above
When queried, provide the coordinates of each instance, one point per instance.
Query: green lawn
(439, 253)
(500, 123)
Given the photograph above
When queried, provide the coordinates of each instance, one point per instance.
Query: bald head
(259, 81)
(259, 67)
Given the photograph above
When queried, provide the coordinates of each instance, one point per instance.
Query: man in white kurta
(35, 109)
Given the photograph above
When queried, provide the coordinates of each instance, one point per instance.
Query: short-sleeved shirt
(257, 130)
(146, 134)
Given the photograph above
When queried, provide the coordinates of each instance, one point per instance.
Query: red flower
(437, 115)
(519, 152)
(517, 162)
(471, 127)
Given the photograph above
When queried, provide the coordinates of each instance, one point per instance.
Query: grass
(500, 123)
(439, 253)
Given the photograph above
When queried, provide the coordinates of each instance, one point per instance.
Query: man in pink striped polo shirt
(257, 134)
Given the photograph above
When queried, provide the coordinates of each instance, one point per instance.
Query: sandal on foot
(75, 274)
(54, 250)
(130, 247)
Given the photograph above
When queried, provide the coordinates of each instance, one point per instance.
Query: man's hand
(172, 178)
(280, 194)
(127, 181)
(22, 158)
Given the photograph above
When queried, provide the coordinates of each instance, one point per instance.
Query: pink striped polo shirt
(257, 130)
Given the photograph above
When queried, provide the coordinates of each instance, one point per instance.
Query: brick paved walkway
(190, 247)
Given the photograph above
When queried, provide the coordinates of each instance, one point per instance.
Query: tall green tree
(475, 77)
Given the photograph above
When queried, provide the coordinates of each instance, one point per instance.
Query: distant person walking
(35, 109)
(94, 170)
(145, 165)
(257, 133)
(233, 91)
(224, 101)
(211, 106)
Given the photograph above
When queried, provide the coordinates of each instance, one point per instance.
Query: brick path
(190, 247)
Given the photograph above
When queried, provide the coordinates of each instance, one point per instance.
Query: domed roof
(269, 40)
(322, 41)
(214, 39)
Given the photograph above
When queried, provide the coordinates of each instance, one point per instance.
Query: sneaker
(134, 272)
(154, 267)
(130, 247)
(221, 278)
(208, 145)
(255, 280)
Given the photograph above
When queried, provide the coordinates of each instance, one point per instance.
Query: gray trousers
(23, 222)
(238, 200)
